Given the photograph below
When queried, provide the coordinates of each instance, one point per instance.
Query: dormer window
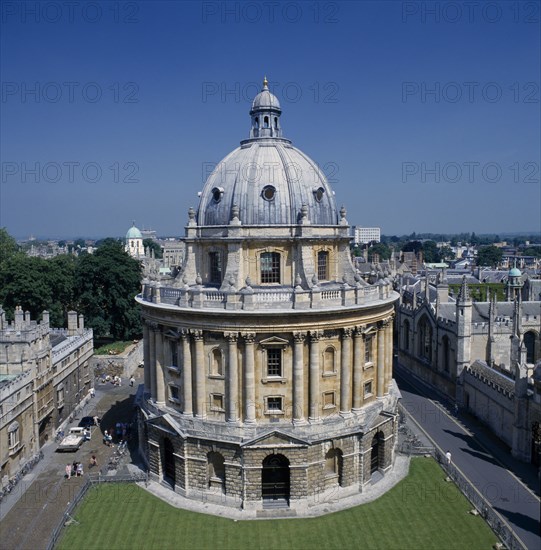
(217, 194)
(318, 193)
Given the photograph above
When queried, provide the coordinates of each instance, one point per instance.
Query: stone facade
(268, 358)
(477, 354)
(44, 376)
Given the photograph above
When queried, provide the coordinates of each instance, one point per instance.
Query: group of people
(75, 469)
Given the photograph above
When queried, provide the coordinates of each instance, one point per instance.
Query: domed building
(134, 242)
(268, 358)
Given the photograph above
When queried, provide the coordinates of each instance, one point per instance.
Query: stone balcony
(326, 296)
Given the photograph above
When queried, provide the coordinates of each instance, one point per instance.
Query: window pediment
(274, 341)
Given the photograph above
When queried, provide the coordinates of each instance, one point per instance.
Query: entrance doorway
(377, 449)
(168, 462)
(275, 479)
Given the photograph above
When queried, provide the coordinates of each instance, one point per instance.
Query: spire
(265, 83)
(464, 293)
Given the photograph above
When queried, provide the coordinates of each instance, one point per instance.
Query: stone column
(186, 373)
(160, 382)
(298, 378)
(200, 375)
(388, 355)
(358, 365)
(314, 376)
(345, 374)
(146, 355)
(249, 378)
(232, 379)
(152, 353)
(381, 359)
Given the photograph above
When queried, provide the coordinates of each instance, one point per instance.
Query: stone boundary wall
(124, 365)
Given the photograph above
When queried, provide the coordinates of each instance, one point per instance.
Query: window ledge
(274, 413)
(274, 379)
(329, 374)
(217, 376)
(368, 365)
(328, 407)
(175, 370)
(217, 409)
(174, 400)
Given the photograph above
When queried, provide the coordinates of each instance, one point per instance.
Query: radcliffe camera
(270, 261)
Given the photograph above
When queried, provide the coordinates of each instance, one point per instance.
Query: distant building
(364, 235)
(44, 375)
(134, 242)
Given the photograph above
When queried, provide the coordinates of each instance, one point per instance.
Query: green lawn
(116, 347)
(422, 511)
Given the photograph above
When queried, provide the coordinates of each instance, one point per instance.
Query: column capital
(184, 333)
(382, 325)
(299, 337)
(315, 335)
(152, 325)
(359, 331)
(231, 337)
(249, 337)
(197, 334)
(347, 332)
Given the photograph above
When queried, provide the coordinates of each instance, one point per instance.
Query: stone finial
(191, 216)
(232, 282)
(198, 280)
(298, 280)
(235, 213)
(248, 282)
(314, 280)
(464, 293)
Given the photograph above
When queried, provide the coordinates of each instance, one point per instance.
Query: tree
(431, 253)
(412, 246)
(106, 283)
(446, 253)
(381, 249)
(153, 245)
(489, 256)
(8, 245)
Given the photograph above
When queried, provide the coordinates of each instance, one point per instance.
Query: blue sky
(424, 115)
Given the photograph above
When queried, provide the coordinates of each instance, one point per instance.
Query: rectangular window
(60, 398)
(13, 437)
(217, 402)
(215, 268)
(368, 350)
(274, 362)
(274, 404)
(270, 267)
(323, 266)
(174, 353)
(368, 389)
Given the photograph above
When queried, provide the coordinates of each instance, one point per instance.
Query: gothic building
(480, 354)
(268, 358)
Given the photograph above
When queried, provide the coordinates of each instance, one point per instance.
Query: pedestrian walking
(93, 461)
(68, 471)
(96, 421)
(132, 381)
(448, 457)
(92, 392)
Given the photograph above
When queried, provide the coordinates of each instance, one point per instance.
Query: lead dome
(267, 179)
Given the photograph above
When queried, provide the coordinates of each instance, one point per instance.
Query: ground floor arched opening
(168, 462)
(376, 453)
(275, 479)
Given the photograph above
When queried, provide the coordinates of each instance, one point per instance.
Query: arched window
(173, 344)
(333, 465)
(446, 354)
(425, 339)
(216, 362)
(215, 268)
(270, 267)
(216, 470)
(328, 360)
(266, 122)
(276, 123)
(323, 265)
(257, 122)
(529, 344)
(406, 335)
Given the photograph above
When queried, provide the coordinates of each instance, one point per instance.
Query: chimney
(45, 317)
(81, 323)
(19, 318)
(72, 323)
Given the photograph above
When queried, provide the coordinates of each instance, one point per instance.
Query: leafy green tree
(381, 249)
(153, 245)
(412, 246)
(8, 245)
(431, 253)
(106, 283)
(446, 253)
(489, 256)
(532, 251)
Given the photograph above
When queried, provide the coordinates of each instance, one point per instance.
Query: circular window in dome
(217, 194)
(318, 193)
(268, 193)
